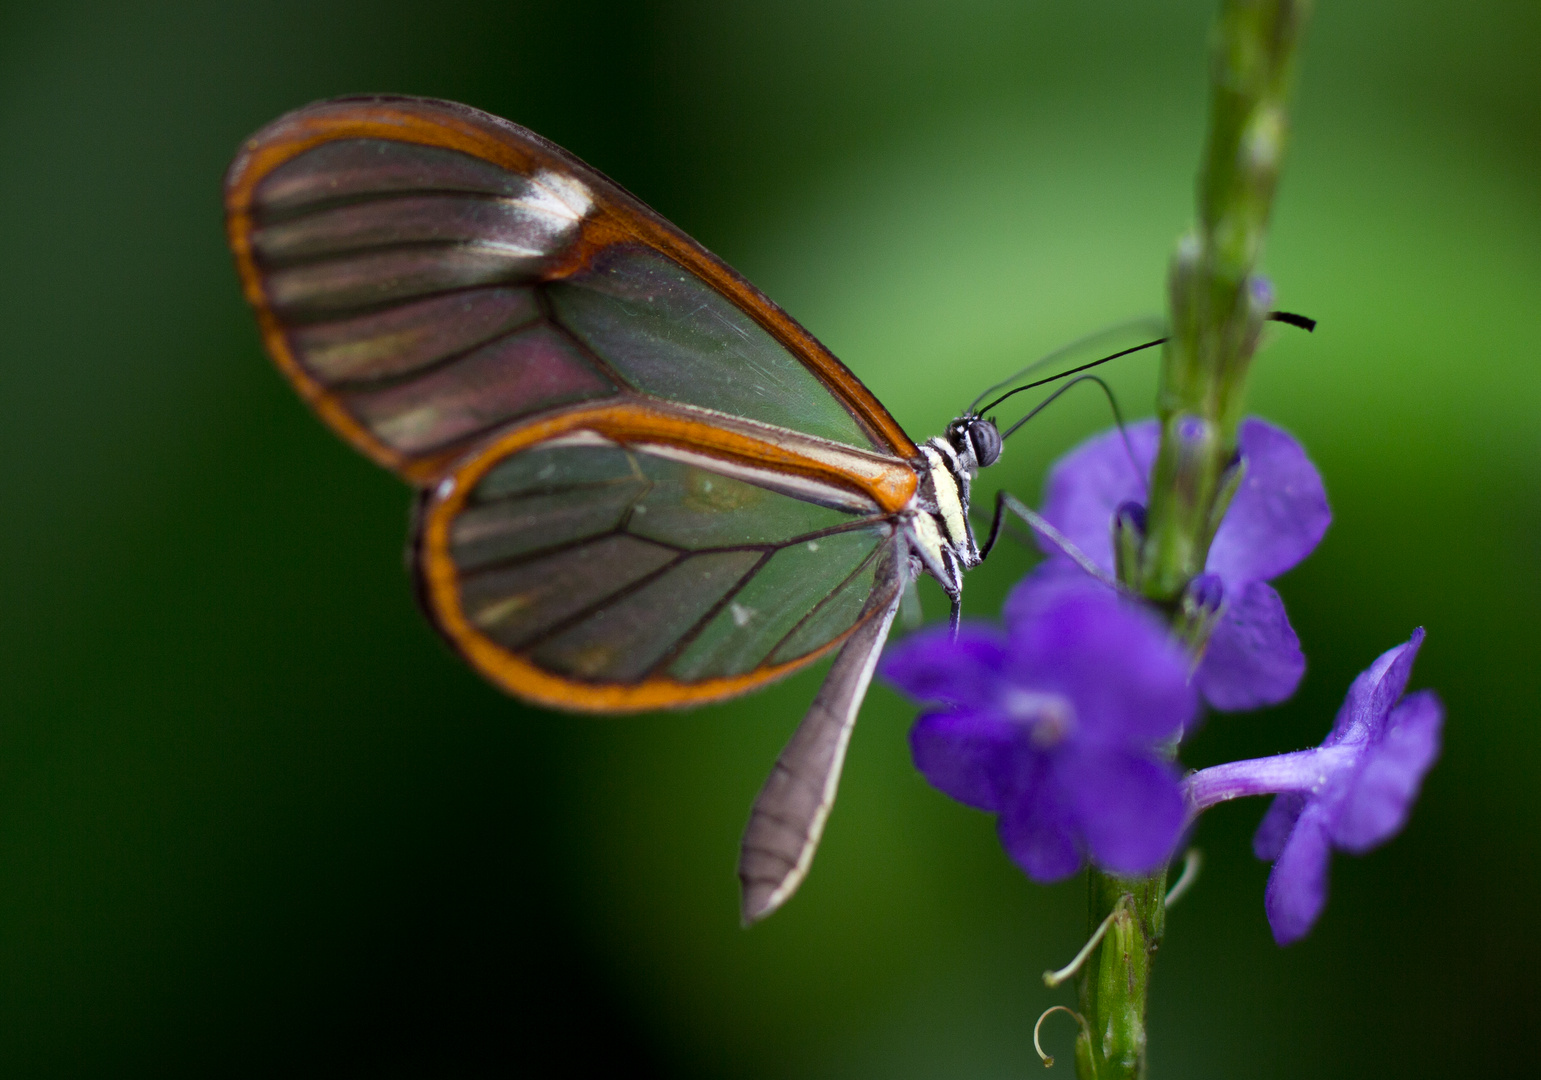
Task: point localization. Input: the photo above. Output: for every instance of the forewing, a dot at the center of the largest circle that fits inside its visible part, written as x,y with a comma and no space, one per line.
426,273
606,567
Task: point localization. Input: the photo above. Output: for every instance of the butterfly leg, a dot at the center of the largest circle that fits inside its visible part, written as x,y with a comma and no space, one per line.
997,521
1005,501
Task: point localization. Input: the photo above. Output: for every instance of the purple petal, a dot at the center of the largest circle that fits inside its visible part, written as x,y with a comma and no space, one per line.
1123,672
1086,487
965,755
1049,583
1373,693
1382,794
1037,828
1254,657
1278,773
1130,809
1278,516
1277,825
1297,888
931,666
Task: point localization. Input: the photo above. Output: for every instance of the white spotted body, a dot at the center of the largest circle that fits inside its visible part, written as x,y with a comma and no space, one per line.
936,521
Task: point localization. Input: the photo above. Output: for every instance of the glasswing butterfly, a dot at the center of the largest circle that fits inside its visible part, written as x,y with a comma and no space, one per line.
642,484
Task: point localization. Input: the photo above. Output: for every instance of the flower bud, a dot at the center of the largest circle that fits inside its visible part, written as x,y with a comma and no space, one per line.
1262,142
1186,473
1128,541
1196,438
1204,594
1225,491
1198,611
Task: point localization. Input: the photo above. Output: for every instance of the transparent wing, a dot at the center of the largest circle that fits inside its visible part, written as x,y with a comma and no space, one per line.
600,572
788,816
425,274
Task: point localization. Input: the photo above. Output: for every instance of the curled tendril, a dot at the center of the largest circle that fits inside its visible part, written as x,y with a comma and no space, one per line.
1193,861
1051,979
1048,1059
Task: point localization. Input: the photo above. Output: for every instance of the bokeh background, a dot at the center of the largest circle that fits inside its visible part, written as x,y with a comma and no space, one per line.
256,820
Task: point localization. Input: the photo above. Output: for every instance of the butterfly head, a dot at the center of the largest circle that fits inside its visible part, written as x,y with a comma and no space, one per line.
976,440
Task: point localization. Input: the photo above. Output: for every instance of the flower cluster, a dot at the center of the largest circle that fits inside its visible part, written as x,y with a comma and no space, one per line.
1277,517
1053,725
1065,721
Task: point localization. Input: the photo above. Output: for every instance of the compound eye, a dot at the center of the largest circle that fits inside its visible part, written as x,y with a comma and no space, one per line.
985,439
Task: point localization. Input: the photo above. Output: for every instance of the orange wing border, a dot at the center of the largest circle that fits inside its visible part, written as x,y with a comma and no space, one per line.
626,421
618,216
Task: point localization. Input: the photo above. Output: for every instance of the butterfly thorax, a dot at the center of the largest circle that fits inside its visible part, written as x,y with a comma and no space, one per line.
941,538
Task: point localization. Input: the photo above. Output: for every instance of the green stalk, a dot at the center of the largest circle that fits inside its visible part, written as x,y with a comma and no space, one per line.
1217,303
1113,983
1218,306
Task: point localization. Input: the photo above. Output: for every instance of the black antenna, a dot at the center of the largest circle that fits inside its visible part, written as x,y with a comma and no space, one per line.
1072,371
1046,402
1304,322
1148,323
1118,416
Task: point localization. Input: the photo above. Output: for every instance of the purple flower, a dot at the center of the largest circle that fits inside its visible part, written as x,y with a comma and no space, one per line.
1055,725
1352,793
1276,519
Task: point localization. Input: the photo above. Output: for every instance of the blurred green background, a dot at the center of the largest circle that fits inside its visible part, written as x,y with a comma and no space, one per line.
256,820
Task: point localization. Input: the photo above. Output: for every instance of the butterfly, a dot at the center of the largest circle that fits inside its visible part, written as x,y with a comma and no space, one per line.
641,484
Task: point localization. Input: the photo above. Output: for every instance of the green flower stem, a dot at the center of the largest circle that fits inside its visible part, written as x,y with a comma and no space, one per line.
1113,982
1218,307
